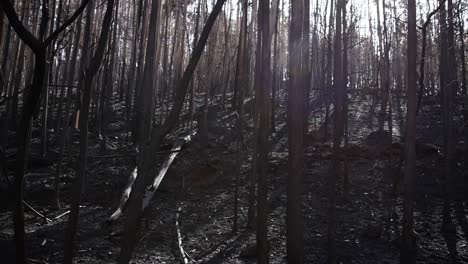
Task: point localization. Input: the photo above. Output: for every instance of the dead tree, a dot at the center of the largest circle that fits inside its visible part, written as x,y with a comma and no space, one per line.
337,133
408,248
423,55
239,86
306,72
463,85
276,75
346,34
449,97
156,136
263,97
85,85
144,132
294,222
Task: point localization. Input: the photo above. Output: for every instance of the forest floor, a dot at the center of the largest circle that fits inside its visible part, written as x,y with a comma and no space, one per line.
198,192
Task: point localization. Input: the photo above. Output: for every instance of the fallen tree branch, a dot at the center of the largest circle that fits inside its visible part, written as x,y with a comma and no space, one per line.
179,236
62,86
65,213
48,220
112,156
36,261
130,155
37,212
125,195
157,181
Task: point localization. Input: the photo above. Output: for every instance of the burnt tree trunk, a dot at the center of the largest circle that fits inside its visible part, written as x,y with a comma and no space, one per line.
294,222
408,248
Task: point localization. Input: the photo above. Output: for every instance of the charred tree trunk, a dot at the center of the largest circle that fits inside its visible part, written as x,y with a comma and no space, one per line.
294,222
156,136
306,72
85,85
263,96
131,227
337,134
276,75
408,248
423,56
464,88
240,84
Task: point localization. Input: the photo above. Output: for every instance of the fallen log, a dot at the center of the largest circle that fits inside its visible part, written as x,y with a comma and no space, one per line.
125,195
127,155
157,181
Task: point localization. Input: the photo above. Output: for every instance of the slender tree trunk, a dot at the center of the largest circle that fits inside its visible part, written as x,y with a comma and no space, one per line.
152,144
449,97
131,227
328,72
294,222
275,77
408,248
16,85
337,134
346,33
263,96
85,85
306,72
422,64
240,84
139,70
69,81
464,88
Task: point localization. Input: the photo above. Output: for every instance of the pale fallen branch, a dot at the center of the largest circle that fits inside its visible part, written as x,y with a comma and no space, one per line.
125,195
65,213
179,237
37,212
157,181
112,156
30,260
48,220
127,155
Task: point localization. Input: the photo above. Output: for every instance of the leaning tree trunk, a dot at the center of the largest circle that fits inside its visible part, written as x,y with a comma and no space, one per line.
152,144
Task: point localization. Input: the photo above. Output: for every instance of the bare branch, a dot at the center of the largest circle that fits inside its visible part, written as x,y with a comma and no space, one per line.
66,24
29,39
